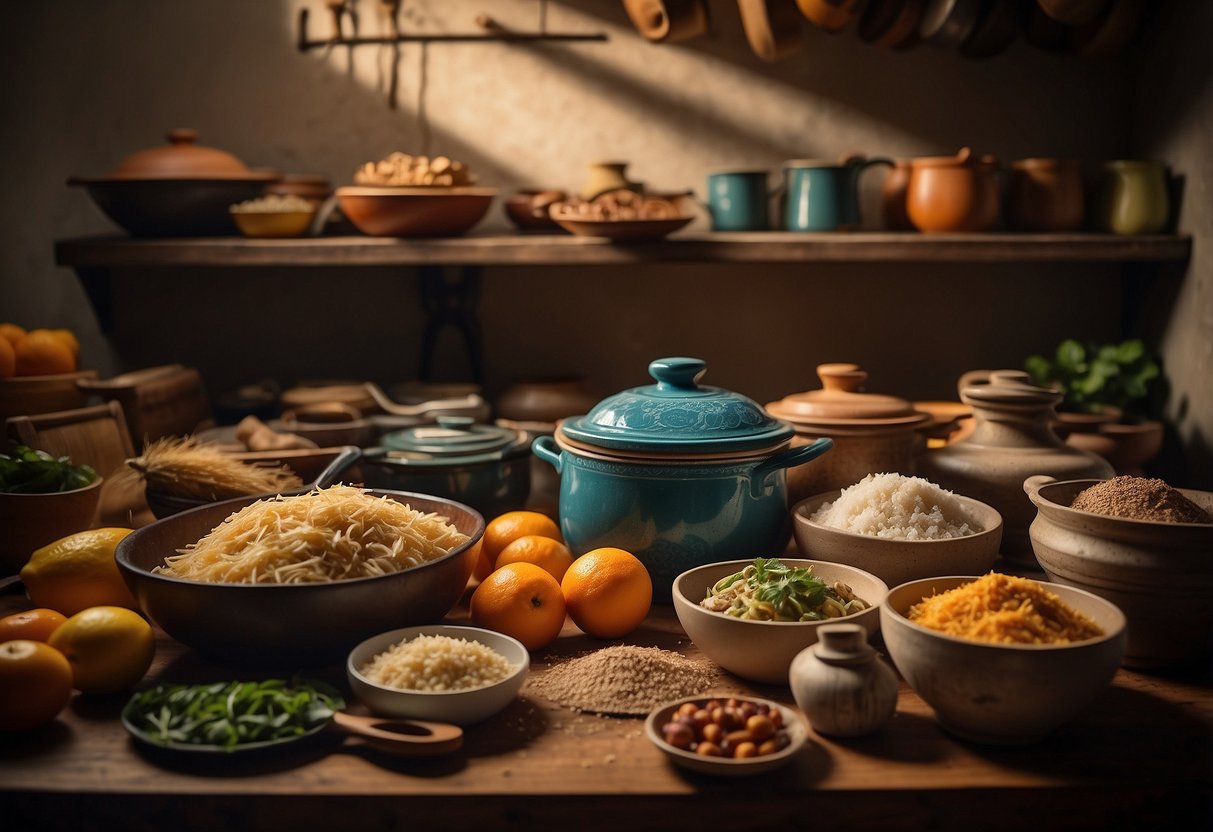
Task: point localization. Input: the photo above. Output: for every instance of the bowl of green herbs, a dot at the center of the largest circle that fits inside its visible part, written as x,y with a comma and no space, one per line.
237,717
42,498
752,617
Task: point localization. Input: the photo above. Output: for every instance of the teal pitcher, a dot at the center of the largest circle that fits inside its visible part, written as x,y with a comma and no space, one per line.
824,196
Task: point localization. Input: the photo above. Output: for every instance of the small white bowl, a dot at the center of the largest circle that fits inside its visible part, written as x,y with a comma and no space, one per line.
762,651
464,707
1003,694
727,766
897,561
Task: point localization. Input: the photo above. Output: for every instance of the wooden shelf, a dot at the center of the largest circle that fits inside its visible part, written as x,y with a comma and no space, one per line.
565,250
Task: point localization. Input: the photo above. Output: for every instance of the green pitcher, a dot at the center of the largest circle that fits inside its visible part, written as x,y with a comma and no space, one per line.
824,196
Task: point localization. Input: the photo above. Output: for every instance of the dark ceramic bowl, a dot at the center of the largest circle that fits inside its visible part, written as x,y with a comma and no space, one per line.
290,625
414,212
173,207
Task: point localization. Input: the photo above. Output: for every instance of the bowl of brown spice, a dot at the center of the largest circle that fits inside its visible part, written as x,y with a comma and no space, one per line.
1002,660
1142,545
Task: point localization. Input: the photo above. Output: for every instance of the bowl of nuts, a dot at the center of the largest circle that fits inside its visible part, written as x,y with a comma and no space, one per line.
404,195
620,215
727,735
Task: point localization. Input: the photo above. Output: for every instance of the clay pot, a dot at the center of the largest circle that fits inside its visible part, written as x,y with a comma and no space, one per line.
841,684
30,521
893,197
872,433
607,176
1128,447
544,400
1045,195
953,193
1012,440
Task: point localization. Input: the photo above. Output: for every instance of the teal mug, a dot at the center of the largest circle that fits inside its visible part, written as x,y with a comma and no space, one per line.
737,200
824,196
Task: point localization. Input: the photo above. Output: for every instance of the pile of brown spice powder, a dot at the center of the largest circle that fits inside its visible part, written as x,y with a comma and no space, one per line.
624,679
1138,498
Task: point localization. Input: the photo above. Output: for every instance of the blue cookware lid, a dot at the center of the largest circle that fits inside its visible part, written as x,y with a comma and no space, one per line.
677,414
455,439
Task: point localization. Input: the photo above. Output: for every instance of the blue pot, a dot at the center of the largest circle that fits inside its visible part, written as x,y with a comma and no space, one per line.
678,474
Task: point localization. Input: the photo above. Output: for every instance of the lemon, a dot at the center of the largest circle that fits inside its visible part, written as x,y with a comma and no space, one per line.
78,571
109,648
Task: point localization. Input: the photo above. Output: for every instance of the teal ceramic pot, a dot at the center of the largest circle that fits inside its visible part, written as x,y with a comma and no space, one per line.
738,200
678,473
484,466
819,196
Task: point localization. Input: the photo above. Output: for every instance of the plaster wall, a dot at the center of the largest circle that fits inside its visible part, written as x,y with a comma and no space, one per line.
96,81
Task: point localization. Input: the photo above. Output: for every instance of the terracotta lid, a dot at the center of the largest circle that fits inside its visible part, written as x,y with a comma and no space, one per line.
1009,387
842,402
184,158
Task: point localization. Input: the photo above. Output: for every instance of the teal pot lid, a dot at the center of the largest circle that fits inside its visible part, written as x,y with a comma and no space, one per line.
454,439
677,414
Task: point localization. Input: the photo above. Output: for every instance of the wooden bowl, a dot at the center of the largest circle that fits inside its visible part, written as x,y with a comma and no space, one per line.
414,212
29,395
30,521
276,224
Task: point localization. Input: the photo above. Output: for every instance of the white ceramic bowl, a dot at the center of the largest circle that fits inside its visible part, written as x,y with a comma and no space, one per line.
727,766
897,561
465,707
1006,694
763,650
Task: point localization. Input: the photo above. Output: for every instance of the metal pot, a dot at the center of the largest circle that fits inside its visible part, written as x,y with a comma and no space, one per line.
485,466
677,473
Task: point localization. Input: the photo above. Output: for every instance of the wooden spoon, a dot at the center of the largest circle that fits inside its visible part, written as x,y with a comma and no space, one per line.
405,737
771,26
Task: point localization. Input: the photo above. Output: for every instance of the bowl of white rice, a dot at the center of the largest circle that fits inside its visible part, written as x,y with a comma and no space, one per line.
899,528
440,672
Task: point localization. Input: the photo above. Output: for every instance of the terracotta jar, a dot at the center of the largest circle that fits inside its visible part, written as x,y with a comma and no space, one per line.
872,433
893,197
1045,195
1012,440
953,193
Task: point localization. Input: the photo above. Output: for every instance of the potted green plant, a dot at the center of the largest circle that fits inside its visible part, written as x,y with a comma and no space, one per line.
1109,394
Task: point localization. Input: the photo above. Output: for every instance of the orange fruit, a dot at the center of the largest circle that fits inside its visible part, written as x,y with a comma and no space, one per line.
34,625
8,359
68,339
12,333
607,592
550,555
504,529
43,354
78,571
521,600
35,684
109,648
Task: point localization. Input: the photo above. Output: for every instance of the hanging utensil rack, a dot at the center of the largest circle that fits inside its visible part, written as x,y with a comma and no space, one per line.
492,32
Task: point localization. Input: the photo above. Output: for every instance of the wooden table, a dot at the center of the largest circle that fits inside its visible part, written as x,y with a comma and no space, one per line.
1141,757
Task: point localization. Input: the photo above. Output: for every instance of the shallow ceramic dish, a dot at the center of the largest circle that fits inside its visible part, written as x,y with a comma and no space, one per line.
727,766
290,625
897,561
1003,694
763,650
1159,574
462,707
278,224
414,212
620,230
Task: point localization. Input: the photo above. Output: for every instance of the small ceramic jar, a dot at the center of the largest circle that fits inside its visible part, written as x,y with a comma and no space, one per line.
840,683
872,434
1045,195
1133,198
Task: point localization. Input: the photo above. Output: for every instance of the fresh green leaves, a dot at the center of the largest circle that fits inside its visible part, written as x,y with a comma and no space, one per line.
789,593
231,714
1091,376
26,471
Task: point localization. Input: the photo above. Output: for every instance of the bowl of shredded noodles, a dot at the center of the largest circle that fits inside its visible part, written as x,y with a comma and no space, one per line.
752,617
1002,659
298,580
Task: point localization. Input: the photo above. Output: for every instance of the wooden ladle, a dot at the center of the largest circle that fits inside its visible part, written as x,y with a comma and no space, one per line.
771,26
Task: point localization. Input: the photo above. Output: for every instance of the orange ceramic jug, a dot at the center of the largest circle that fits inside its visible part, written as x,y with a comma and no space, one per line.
953,193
